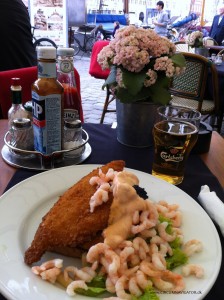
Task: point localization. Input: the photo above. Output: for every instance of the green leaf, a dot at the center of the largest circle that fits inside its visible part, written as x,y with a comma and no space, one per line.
91,292
160,95
179,60
111,79
149,294
134,81
177,259
125,97
98,281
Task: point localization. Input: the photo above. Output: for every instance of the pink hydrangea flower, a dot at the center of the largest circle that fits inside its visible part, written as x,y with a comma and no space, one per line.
139,51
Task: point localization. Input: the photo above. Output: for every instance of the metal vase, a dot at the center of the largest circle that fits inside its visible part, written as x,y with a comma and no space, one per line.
202,51
135,122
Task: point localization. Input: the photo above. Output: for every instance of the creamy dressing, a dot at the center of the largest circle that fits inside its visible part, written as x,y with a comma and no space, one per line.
126,201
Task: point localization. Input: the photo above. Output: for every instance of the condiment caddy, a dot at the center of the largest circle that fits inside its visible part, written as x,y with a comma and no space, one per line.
51,135
32,159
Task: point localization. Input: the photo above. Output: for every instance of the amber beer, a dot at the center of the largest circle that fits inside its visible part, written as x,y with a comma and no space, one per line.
173,141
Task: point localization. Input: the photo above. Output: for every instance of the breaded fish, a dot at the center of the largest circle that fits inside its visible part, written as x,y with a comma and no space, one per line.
69,226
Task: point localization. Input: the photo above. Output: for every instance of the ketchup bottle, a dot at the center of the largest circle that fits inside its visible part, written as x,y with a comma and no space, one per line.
65,75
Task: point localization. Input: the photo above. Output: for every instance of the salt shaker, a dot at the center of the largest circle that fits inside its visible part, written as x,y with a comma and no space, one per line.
73,138
22,134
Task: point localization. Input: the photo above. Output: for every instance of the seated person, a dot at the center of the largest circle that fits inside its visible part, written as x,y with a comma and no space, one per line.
100,33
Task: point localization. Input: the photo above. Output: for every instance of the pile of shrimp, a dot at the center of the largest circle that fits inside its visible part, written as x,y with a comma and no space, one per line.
135,264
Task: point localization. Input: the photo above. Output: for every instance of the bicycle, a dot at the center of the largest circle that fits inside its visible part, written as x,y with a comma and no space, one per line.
41,41
88,41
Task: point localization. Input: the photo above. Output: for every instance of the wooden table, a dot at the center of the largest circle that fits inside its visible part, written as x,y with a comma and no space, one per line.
214,159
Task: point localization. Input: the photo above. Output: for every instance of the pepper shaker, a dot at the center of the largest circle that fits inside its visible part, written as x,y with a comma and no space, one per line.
22,134
73,138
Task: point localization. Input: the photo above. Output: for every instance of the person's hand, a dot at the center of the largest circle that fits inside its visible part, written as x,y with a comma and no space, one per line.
154,21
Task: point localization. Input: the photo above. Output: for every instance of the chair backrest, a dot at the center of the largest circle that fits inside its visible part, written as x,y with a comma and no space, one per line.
192,83
181,46
221,52
95,69
208,41
27,76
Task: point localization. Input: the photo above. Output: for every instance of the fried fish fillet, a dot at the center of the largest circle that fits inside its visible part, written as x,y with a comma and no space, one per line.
69,226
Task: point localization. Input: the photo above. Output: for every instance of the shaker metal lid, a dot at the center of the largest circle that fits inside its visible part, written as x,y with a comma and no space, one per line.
47,52
65,51
72,123
21,123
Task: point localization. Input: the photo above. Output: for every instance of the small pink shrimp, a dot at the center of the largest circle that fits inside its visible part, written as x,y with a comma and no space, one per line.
159,261
130,272
169,281
164,235
124,254
148,233
49,270
110,286
77,284
120,288
86,274
149,269
134,288
177,219
153,213
51,264
193,269
159,241
134,260
98,198
110,174
192,246
142,280
95,252
50,274
141,247
69,270
114,259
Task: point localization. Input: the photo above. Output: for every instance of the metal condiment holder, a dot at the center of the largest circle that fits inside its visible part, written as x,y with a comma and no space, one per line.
32,159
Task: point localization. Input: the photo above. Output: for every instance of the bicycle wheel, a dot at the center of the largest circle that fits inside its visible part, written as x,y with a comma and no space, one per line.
89,44
44,42
76,46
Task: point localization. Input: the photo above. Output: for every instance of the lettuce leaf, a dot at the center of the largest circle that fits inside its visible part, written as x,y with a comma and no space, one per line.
98,281
95,287
149,294
91,292
169,228
178,258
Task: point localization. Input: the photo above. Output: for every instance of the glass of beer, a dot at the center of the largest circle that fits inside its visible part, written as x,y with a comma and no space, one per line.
170,112
174,137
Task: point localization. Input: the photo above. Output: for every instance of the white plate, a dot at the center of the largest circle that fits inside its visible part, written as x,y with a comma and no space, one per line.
21,210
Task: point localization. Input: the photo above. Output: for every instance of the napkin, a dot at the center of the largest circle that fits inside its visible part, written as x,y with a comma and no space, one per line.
213,205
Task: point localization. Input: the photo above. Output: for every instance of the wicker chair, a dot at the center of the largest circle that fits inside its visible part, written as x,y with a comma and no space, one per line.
181,46
221,52
188,89
208,41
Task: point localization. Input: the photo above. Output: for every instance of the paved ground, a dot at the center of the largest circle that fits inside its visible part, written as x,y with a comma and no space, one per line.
93,96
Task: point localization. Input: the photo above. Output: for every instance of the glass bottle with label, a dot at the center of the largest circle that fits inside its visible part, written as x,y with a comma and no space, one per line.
17,110
65,75
47,102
